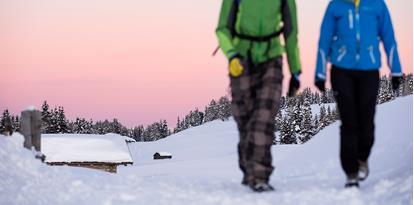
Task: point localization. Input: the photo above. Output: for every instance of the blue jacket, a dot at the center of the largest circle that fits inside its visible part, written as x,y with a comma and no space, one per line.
350,37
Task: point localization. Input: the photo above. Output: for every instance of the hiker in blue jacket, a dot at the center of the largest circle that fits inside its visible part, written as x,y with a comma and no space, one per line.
350,35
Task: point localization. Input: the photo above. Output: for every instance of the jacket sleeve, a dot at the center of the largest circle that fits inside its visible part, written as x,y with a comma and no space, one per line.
387,36
290,33
327,33
226,27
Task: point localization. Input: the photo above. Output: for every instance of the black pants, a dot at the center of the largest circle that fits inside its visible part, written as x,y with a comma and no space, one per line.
356,94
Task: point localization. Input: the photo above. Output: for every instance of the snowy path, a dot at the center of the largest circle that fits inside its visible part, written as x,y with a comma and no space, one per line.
204,170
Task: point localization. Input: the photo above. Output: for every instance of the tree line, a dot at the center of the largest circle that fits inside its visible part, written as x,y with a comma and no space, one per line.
295,122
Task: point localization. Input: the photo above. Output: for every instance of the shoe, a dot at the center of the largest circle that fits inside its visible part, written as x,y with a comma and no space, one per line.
244,181
363,170
262,187
352,181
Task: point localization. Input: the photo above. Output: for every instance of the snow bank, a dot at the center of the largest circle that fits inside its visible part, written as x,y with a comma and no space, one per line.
110,148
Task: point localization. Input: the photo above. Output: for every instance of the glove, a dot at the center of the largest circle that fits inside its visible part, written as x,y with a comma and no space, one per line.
396,81
294,85
320,84
235,68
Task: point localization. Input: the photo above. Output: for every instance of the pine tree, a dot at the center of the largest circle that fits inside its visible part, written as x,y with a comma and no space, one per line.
6,124
211,112
16,124
289,126
137,133
329,117
224,108
322,116
46,118
177,126
62,121
306,125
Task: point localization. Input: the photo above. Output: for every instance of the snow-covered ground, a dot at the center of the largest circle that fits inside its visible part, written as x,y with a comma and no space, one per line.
204,170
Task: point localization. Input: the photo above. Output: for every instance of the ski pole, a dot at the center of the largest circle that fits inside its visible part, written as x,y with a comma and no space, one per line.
216,50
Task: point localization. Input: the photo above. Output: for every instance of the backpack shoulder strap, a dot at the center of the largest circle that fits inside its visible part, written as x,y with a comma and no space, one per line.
231,24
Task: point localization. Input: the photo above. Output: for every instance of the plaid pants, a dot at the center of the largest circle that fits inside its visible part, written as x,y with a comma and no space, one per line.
255,100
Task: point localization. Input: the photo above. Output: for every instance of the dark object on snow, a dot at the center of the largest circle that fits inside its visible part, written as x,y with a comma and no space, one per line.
162,155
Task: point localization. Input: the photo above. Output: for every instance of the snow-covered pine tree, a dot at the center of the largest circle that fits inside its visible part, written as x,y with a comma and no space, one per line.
211,112
137,133
62,121
296,116
407,85
177,126
16,123
278,119
290,126
329,117
82,126
306,130
315,124
385,90
224,108
322,116
287,131
6,122
46,118
164,131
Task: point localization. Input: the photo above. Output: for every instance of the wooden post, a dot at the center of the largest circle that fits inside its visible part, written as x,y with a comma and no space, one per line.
30,127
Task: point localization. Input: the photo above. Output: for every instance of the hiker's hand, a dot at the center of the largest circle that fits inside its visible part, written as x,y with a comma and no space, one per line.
235,68
320,84
294,85
396,81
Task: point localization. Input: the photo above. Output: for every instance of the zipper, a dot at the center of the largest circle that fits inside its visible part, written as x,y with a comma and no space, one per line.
371,54
351,19
358,32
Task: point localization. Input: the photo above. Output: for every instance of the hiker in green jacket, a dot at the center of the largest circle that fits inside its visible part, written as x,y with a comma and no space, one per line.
248,33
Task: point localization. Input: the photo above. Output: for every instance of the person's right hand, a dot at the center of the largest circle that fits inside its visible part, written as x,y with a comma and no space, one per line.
235,68
320,84
396,81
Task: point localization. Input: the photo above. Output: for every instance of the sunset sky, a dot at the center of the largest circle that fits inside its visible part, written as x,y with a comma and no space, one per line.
138,61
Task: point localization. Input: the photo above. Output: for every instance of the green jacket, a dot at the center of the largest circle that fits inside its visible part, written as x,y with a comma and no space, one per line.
259,18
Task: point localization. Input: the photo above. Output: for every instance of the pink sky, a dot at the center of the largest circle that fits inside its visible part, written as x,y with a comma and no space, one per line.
133,60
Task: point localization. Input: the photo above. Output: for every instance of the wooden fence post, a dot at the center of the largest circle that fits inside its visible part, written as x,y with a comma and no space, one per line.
30,128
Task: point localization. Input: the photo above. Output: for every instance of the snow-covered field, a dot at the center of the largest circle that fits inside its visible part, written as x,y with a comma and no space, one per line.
204,170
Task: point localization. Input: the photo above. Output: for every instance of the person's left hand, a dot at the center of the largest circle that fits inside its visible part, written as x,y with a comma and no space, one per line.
294,85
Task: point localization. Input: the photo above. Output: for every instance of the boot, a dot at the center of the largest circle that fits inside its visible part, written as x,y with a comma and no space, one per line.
363,170
352,181
261,187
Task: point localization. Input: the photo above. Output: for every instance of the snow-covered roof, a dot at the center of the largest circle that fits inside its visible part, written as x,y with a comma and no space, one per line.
128,139
164,153
109,148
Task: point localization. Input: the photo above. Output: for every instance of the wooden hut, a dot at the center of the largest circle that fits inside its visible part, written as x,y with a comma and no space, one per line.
102,152
162,155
